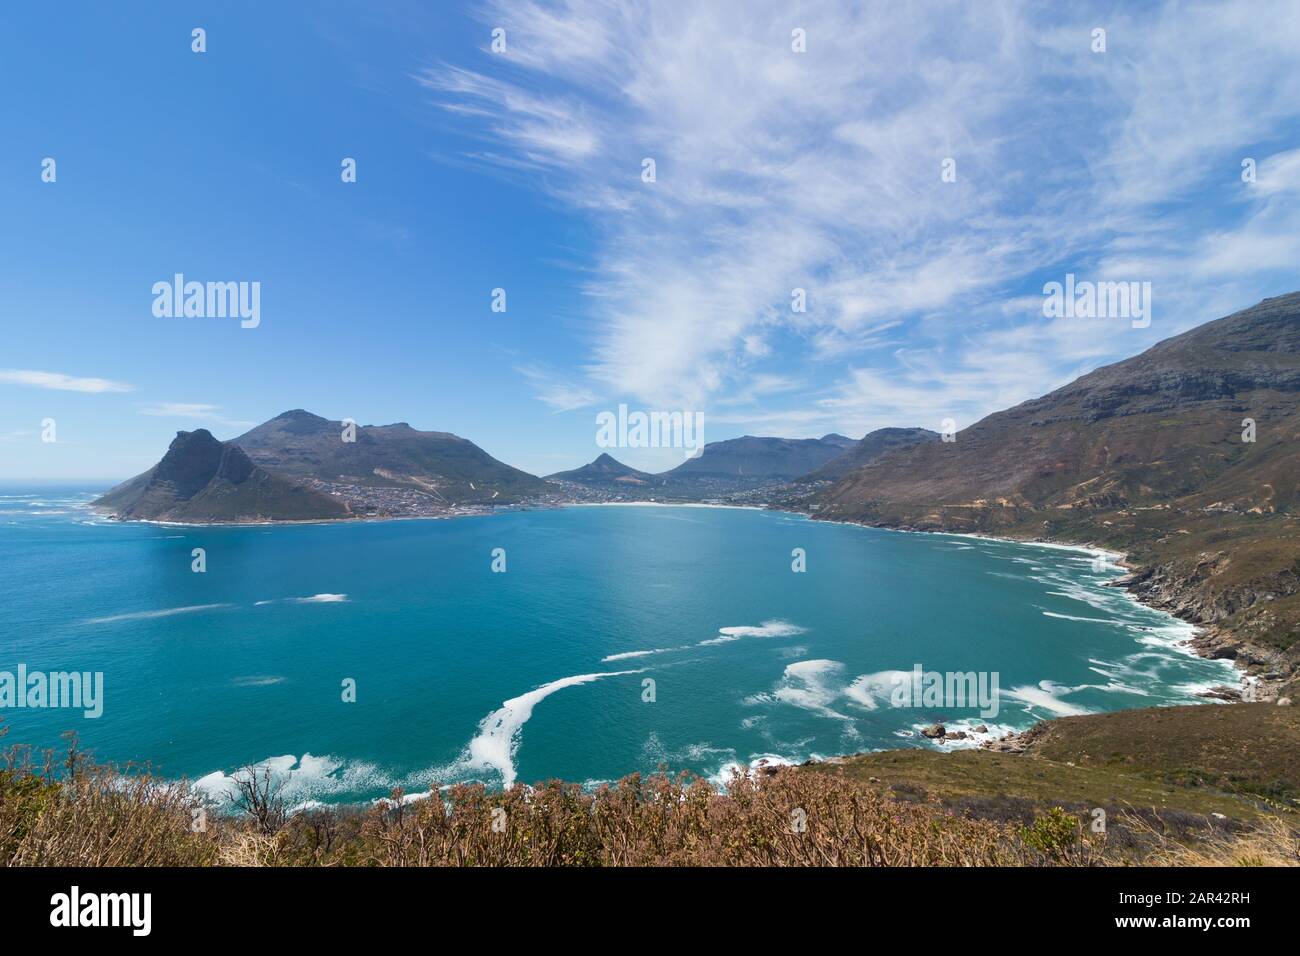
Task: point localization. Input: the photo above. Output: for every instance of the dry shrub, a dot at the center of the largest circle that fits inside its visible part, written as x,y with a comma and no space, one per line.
789,819
84,814
1275,841
77,813
248,848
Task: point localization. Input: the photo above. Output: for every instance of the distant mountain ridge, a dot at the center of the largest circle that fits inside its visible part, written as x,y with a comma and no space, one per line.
872,446
605,469
754,458
451,468
732,465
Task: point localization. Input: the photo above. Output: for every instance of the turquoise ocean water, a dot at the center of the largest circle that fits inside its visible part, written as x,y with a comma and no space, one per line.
538,672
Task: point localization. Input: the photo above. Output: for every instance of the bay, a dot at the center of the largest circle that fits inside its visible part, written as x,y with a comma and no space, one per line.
463,673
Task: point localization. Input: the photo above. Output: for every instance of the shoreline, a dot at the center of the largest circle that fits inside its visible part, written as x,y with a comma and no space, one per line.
374,519
1208,641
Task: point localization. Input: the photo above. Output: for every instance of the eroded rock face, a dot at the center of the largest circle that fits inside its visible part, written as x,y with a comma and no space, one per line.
235,466
201,479
190,463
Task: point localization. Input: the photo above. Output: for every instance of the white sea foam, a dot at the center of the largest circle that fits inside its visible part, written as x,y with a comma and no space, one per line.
406,800
724,774
773,628
869,690
149,615
314,599
628,655
1114,686
1193,690
497,741
258,680
968,726
1077,592
1046,697
1089,620
654,752
811,685
305,780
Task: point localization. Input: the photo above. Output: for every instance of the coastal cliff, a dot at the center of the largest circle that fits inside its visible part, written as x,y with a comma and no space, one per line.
1185,458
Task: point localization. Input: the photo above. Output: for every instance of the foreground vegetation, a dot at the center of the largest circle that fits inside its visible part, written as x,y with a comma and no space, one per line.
1208,785
83,814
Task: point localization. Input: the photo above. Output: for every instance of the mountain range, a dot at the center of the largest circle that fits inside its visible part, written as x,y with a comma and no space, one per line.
1186,457
722,467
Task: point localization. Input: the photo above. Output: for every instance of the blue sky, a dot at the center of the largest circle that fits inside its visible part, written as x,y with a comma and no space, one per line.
522,169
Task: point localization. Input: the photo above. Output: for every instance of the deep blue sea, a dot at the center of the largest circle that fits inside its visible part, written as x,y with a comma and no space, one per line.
462,673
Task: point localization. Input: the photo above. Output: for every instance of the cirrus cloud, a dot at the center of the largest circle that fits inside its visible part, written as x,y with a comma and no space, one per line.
57,381
820,171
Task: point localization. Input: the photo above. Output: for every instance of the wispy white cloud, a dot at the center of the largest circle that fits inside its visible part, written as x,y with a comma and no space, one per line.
561,395
194,412
546,131
57,381
820,170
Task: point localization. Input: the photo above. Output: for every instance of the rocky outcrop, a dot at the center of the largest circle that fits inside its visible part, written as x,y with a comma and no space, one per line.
201,479
1192,589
